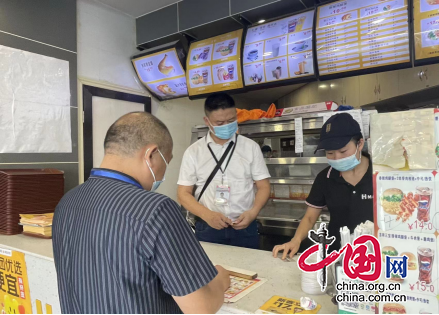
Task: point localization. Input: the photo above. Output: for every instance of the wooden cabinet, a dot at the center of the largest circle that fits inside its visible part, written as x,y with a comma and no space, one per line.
367,89
319,92
418,78
351,91
387,85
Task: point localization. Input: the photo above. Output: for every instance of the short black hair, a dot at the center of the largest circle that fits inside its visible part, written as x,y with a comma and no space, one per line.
357,138
217,101
133,131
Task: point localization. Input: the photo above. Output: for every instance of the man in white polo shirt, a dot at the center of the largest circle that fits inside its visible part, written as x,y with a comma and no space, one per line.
224,167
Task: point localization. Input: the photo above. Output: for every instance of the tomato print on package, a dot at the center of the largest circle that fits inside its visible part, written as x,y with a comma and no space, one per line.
406,201
422,266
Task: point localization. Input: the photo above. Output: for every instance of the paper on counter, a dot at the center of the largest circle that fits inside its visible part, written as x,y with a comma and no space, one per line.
240,287
404,136
34,103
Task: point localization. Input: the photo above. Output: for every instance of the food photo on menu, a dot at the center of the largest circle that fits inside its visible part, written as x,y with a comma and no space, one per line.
254,73
301,64
421,261
169,88
429,5
276,69
406,201
201,55
225,72
225,49
200,77
430,31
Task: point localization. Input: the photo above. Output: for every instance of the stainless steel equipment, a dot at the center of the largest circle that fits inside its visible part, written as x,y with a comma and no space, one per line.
292,174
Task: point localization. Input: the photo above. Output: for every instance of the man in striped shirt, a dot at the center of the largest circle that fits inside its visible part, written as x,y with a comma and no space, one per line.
121,248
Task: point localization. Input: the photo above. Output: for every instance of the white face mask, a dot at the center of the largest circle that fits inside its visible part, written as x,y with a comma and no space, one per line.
156,183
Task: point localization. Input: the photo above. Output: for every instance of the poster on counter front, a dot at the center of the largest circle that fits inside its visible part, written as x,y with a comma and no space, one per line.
406,201
421,251
214,64
356,35
426,28
14,284
279,50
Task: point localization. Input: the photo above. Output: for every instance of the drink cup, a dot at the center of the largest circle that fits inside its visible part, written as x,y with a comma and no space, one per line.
425,262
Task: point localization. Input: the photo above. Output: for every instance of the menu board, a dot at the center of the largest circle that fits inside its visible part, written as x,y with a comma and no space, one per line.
279,50
355,35
214,64
426,26
162,74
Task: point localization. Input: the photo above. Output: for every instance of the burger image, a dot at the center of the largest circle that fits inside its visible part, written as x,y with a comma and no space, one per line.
393,308
411,262
391,199
388,251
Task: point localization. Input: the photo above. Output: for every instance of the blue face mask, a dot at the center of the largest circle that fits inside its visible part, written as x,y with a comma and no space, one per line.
156,183
225,132
345,164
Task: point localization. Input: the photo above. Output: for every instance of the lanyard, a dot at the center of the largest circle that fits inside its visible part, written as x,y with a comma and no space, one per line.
227,151
109,174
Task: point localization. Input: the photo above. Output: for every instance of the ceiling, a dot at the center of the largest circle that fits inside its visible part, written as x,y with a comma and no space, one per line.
136,8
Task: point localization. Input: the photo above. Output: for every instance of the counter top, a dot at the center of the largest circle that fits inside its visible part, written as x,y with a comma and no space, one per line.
29,245
283,277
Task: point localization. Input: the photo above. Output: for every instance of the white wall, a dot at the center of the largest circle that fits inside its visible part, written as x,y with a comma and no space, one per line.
180,116
106,41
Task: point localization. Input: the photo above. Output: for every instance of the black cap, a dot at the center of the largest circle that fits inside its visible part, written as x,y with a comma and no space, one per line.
337,131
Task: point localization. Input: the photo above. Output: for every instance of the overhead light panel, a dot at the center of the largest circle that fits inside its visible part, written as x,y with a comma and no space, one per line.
261,21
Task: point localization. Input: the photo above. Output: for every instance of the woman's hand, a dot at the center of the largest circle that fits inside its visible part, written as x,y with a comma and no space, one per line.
291,247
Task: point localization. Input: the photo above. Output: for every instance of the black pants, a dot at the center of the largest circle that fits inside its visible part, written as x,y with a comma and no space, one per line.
248,237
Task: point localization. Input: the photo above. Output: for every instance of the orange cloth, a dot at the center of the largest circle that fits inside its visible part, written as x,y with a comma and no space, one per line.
244,114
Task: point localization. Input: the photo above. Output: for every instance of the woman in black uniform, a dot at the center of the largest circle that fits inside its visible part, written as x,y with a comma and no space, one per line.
345,187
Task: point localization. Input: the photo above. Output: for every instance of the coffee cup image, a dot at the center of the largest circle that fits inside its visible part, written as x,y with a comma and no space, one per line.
253,55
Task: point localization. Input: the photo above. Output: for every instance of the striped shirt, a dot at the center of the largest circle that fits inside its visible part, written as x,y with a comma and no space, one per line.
121,249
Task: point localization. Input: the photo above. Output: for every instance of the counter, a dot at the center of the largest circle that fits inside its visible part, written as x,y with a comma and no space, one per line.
283,277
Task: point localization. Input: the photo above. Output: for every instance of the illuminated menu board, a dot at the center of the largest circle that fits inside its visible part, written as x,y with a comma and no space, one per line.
355,35
279,50
214,64
426,26
162,74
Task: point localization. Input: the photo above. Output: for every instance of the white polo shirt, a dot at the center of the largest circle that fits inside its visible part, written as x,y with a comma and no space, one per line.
246,166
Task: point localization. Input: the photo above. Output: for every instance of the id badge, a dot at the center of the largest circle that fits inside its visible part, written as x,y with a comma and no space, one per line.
222,195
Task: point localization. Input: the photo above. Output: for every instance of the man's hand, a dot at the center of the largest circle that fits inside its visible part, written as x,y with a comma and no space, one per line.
244,220
291,247
217,220
225,277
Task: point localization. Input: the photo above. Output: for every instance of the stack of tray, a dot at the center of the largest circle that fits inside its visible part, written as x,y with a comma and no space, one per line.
27,191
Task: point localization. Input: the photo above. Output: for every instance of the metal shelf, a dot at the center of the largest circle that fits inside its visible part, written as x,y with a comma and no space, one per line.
297,160
302,202
292,181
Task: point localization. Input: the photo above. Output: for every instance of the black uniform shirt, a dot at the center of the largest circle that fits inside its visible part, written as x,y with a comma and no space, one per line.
348,205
